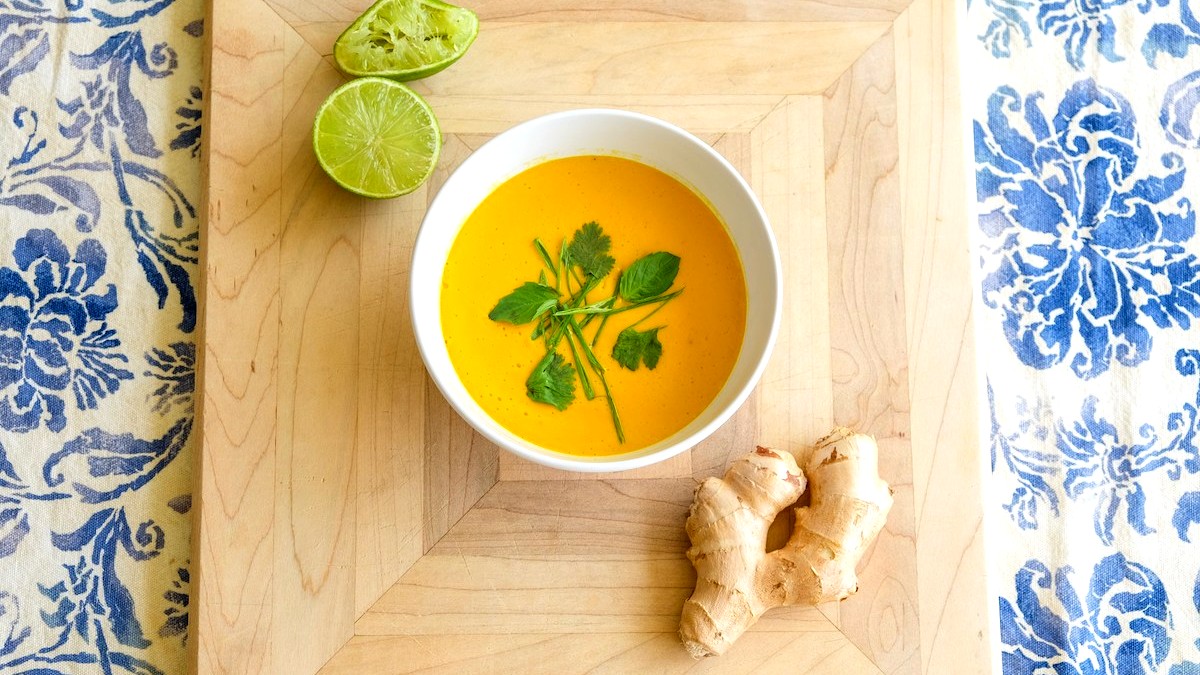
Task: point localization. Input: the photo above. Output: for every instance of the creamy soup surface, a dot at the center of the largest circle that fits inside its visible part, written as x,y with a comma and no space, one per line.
643,210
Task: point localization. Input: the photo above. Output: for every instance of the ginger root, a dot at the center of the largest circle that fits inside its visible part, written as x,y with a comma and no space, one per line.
737,580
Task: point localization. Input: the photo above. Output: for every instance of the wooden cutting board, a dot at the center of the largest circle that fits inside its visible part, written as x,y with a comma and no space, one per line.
351,522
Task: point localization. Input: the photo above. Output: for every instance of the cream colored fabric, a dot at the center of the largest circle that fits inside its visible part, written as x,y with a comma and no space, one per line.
99,185
1087,170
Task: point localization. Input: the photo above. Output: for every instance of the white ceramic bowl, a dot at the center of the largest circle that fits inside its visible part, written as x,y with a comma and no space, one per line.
600,132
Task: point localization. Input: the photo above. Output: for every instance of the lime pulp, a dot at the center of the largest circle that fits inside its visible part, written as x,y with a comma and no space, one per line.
405,39
376,137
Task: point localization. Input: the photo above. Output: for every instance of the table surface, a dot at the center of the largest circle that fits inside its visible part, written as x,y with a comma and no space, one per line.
350,520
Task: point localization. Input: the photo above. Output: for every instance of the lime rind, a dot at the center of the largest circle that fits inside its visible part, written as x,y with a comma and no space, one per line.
405,39
377,138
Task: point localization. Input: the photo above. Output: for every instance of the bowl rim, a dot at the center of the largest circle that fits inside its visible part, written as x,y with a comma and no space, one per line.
632,459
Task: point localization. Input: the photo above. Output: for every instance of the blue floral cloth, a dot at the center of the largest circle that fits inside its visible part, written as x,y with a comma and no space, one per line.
99,178
1087,164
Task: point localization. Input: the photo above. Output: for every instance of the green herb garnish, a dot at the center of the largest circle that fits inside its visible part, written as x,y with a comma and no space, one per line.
634,347
562,311
589,249
524,304
649,276
552,381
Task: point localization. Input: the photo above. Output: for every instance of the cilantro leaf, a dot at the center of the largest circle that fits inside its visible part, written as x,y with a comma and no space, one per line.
649,276
524,304
653,351
634,347
552,381
589,249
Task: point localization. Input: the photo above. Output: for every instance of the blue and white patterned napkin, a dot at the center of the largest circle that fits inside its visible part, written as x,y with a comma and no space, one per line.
99,180
1087,167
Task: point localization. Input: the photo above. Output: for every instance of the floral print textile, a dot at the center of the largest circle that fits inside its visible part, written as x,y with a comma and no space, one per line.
1087,173
100,114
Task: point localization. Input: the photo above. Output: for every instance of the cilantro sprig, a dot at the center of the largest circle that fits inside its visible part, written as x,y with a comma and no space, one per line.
552,382
589,250
561,312
634,347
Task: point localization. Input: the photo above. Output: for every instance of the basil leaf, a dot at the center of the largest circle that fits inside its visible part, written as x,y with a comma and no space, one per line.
524,304
649,276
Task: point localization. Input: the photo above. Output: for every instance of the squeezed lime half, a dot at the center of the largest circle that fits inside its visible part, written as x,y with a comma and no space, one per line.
405,39
376,137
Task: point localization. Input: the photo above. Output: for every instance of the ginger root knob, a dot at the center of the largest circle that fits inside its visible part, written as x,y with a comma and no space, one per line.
736,579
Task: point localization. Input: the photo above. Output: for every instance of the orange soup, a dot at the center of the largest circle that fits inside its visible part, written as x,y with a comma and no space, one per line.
643,211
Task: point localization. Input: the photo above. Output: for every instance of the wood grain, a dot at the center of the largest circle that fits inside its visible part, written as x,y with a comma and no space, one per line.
307,79
865,241
868,338
390,503
685,10
815,652
339,490
788,174
301,13
947,450
515,468
236,515
605,590
460,466
317,410
559,518
679,58
698,113
318,384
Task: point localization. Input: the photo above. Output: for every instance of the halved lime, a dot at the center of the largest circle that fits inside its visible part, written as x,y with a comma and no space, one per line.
376,137
405,39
